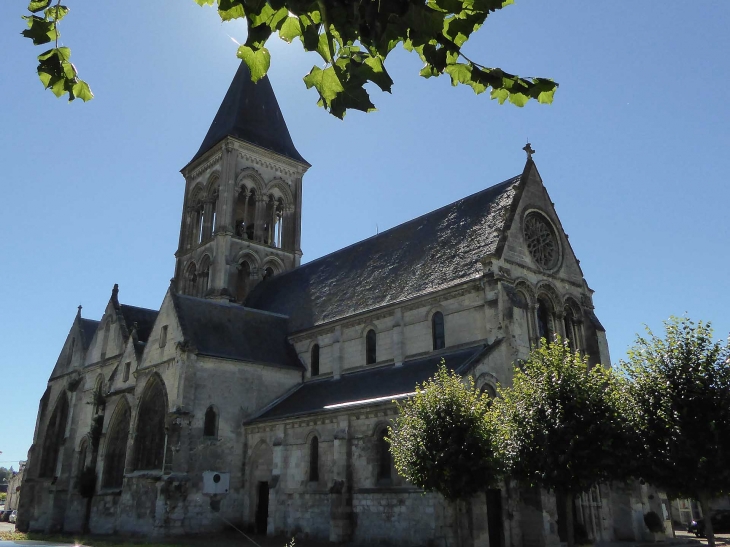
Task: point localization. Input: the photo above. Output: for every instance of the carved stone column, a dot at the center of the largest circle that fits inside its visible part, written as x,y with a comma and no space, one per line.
258,230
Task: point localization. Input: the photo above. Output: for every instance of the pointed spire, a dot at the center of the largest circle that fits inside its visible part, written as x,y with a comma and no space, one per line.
250,112
78,313
115,295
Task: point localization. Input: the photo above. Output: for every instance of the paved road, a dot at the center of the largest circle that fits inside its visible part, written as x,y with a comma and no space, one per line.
720,539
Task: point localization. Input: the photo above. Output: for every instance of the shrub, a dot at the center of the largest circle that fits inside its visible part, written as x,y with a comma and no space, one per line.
654,523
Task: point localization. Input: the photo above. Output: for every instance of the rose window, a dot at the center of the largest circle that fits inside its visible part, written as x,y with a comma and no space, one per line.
541,241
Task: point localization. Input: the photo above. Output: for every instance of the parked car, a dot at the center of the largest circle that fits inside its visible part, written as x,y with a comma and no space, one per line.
12,517
720,524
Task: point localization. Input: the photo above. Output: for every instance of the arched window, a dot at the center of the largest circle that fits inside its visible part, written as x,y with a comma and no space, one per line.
384,459
150,437
278,220
572,331
53,440
203,274
543,320
314,459
437,330
370,347
83,450
268,273
210,425
488,390
243,276
314,364
116,447
241,219
191,279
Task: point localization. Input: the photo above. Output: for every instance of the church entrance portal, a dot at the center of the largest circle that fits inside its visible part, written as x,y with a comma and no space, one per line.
494,518
262,507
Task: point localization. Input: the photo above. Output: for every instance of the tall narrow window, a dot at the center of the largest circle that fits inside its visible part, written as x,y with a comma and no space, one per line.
163,336
242,280
268,273
82,456
150,437
437,330
370,347
569,325
127,369
116,447
314,459
210,426
543,320
314,365
55,433
384,460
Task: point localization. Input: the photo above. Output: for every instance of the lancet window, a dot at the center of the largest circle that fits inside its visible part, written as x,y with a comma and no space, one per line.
384,459
314,361
203,277
210,422
314,459
116,447
437,331
572,329
191,279
544,327
370,347
150,436
245,213
53,440
243,278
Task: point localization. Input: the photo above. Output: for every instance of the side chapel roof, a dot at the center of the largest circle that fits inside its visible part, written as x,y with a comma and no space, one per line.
144,317
230,331
363,386
434,251
251,113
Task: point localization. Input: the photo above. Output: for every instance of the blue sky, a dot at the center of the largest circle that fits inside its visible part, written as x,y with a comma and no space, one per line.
632,153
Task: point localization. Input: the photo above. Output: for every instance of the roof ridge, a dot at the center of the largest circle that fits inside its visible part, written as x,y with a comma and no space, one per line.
512,180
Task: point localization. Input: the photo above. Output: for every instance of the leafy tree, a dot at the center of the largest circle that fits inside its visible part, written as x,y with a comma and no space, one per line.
352,37
561,424
441,440
680,395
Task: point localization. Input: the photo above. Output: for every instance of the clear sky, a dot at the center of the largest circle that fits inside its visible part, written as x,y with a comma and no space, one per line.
632,153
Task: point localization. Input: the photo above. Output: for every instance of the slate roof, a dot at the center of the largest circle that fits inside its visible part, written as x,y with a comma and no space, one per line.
230,331
250,112
434,251
145,319
389,381
88,329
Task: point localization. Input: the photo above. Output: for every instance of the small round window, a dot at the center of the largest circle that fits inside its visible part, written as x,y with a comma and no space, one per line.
541,241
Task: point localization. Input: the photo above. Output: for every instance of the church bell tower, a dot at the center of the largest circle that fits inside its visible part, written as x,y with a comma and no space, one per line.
242,212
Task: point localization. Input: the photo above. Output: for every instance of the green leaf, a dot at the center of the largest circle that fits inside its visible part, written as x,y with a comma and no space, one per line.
374,70
69,70
82,91
518,99
325,82
204,2
460,73
39,30
230,9
258,61
290,29
500,94
257,36
56,12
323,47
38,5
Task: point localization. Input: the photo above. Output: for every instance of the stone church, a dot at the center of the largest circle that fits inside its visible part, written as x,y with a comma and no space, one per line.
259,393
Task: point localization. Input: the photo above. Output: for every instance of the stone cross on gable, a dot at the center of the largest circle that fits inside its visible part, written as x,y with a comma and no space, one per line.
528,148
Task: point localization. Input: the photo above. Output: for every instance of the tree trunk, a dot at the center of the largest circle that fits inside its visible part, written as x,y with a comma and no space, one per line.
709,532
570,529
